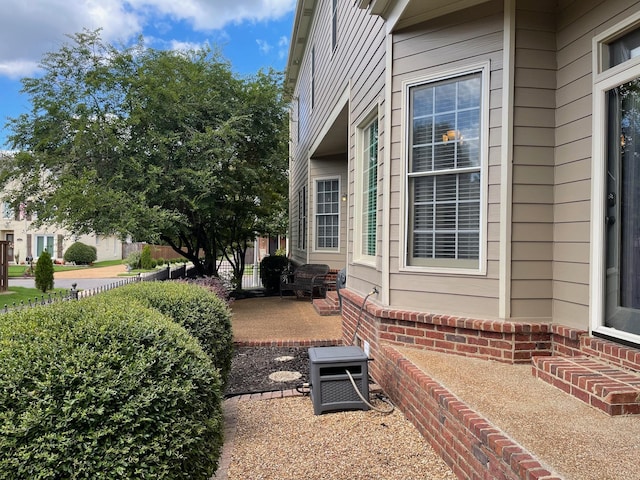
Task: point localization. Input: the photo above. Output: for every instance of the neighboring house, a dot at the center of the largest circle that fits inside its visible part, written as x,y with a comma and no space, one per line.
476,162
25,240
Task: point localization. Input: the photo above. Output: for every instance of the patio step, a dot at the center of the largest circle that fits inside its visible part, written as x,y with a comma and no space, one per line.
607,387
329,305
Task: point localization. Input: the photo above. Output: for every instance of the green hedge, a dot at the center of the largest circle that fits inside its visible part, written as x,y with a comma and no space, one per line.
101,390
202,313
271,270
80,254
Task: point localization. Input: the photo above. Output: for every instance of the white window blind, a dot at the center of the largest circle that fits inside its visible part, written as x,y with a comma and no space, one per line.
444,176
370,189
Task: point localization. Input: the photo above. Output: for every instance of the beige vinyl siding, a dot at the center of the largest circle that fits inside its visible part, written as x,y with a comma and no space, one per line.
465,38
533,166
577,23
356,66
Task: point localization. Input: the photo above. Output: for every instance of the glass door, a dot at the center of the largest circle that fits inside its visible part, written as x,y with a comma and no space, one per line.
622,235
9,238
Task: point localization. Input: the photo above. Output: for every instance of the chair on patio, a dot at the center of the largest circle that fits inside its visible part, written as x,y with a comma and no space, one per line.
307,278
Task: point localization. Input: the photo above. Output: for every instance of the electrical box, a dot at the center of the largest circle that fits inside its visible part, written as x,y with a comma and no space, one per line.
331,388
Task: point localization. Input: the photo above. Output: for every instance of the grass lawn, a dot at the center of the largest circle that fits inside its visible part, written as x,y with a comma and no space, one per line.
24,294
18,270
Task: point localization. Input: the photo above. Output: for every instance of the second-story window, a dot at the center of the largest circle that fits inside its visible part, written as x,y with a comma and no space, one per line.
313,76
334,24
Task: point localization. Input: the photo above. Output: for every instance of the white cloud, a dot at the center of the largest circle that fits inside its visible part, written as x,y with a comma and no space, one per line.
263,46
283,47
29,28
206,15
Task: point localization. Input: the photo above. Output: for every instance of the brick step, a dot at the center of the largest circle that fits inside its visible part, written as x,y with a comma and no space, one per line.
609,388
328,305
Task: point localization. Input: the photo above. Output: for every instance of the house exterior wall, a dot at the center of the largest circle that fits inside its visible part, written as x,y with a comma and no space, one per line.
25,237
577,24
539,157
533,160
351,75
457,40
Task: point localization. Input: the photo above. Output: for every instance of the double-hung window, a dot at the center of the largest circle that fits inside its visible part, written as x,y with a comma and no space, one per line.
7,211
444,172
367,188
327,214
44,242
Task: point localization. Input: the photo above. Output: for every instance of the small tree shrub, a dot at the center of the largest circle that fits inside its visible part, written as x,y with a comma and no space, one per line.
202,313
44,272
271,270
80,254
146,262
133,260
102,390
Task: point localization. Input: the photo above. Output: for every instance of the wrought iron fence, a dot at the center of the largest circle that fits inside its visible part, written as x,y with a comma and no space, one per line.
170,272
250,279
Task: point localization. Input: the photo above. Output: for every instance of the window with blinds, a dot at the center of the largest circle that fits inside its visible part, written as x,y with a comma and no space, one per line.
444,172
327,214
369,189
302,218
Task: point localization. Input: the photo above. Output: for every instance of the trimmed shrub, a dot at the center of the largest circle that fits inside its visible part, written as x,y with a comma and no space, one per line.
133,260
100,390
146,262
80,254
44,272
215,285
202,313
271,270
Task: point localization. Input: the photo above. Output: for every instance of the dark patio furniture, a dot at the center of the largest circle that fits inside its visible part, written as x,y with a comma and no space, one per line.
307,278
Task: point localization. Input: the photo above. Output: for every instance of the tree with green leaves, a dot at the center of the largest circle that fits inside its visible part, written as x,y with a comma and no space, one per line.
160,146
44,272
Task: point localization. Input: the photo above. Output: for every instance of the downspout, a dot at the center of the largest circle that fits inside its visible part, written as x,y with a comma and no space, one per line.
506,160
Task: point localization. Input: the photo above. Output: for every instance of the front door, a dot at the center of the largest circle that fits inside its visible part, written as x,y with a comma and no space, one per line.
622,235
9,238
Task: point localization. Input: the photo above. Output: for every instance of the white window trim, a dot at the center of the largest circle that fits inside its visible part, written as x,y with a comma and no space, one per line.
358,256
444,74
315,248
603,82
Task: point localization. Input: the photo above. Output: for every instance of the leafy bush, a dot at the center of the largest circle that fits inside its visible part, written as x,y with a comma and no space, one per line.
215,285
80,254
44,272
146,262
133,260
202,313
271,270
95,389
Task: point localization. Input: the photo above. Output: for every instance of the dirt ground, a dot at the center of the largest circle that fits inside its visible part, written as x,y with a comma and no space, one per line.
252,366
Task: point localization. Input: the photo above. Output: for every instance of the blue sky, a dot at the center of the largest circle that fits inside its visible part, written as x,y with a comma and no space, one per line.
252,34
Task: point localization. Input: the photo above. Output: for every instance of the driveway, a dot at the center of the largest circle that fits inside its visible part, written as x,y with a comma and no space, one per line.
85,278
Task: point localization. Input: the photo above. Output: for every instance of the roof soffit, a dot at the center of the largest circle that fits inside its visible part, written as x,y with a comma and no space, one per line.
303,19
